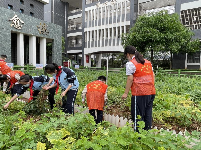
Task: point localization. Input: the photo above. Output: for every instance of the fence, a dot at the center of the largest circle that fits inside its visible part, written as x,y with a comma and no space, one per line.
32,70
181,73
116,120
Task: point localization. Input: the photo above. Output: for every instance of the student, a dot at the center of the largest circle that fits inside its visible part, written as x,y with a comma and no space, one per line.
3,58
67,79
96,93
35,85
11,77
4,69
140,79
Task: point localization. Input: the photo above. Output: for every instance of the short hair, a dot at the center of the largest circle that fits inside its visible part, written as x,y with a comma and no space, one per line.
102,78
3,77
51,67
25,78
3,56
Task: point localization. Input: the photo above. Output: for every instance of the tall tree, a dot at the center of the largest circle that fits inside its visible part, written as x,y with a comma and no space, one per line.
161,32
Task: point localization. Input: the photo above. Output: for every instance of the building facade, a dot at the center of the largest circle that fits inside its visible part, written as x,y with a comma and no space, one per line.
24,33
104,22
190,15
91,28
68,14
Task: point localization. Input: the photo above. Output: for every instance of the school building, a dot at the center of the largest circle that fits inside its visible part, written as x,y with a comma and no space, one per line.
91,28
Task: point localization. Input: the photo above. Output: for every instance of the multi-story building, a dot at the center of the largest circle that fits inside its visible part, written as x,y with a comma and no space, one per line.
104,22
68,14
90,28
24,33
190,15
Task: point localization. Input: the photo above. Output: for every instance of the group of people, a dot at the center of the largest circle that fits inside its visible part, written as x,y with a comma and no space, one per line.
140,79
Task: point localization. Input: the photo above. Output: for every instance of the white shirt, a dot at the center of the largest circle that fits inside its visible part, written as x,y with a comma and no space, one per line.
130,68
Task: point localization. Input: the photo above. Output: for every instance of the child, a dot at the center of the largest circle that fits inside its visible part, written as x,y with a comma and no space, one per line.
11,77
96,93
35,85
4,69
3,58
67,79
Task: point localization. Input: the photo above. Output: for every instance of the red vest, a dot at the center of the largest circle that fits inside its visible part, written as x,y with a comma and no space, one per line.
95,94
12,76
4,68
143,79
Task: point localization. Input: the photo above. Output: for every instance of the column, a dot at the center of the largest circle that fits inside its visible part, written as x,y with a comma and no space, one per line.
20,49
108,15
90,41
125,16
87,39
32,50
43,51
112,37
116,36
98,60
87,60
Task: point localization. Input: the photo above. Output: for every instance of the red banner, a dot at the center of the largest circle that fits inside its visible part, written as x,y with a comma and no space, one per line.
87,58
66,64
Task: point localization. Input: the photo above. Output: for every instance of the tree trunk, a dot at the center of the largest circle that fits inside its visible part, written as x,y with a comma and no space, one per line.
170,60
112,60
152,55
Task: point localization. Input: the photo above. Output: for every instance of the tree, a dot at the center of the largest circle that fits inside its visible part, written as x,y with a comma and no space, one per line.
161,32
49,50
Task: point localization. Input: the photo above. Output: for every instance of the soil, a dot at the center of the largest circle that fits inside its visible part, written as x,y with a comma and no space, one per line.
126,113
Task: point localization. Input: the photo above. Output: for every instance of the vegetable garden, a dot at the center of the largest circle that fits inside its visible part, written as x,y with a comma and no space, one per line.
177,106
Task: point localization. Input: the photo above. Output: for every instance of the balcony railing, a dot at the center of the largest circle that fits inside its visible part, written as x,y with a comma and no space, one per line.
74,27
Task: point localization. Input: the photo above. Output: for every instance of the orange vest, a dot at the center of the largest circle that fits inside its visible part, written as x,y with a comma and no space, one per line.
4,68
12,76
143,79
95,94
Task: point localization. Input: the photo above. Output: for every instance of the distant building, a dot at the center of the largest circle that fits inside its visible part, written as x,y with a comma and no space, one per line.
90,28
24,33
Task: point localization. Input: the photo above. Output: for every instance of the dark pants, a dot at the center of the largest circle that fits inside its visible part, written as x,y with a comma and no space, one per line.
68,101
51,97
143,108
99,115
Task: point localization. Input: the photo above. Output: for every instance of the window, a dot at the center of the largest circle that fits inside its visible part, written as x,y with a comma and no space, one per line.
10,7
31,5
193,58
31,14
22,2
22,11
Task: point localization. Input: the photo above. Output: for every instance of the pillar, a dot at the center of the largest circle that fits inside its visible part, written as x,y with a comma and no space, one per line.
87,60
98,60
43,51
32,50
20,49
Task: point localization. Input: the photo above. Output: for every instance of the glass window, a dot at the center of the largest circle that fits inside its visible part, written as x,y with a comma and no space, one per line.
22,11
31,14
193,58
10,7
22,2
